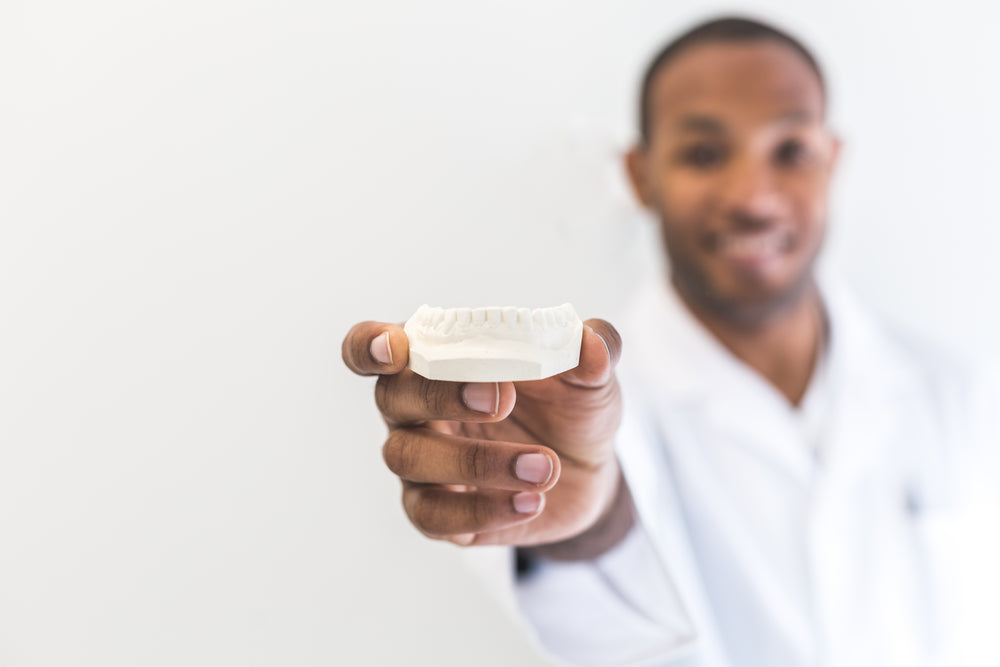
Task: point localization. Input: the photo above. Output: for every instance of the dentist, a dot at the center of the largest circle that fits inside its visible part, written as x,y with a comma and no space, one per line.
772,476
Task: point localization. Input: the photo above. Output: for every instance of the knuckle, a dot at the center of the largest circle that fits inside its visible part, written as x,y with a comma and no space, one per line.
382,393
481,510
426,515
477,462
435,397
397,454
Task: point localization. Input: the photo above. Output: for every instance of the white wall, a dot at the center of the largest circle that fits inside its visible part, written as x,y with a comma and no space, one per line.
198,198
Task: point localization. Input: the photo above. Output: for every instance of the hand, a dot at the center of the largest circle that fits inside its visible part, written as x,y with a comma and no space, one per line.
516,463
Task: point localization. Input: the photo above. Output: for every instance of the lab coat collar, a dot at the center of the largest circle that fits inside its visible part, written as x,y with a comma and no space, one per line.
691,365
681,364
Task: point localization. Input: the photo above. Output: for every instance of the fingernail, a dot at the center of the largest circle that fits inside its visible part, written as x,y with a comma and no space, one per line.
380,349
527,502
482,396
606,348
534,468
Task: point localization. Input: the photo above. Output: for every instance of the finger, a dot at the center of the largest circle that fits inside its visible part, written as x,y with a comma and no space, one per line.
408,398
426,456
439,512
375,348
600,350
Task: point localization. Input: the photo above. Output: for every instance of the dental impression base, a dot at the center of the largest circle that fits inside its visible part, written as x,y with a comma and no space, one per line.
493,344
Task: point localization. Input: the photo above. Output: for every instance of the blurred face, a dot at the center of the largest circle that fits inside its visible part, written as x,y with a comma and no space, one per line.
737,169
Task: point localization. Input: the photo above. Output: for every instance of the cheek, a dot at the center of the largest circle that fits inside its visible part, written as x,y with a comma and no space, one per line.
807,198
815,214
685,200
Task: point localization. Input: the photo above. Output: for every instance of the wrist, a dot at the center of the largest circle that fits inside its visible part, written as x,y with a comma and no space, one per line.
610,528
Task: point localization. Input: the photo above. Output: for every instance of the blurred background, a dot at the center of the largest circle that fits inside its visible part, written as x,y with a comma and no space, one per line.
197,199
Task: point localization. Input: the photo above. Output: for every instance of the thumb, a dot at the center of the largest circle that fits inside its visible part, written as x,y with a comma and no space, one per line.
600,350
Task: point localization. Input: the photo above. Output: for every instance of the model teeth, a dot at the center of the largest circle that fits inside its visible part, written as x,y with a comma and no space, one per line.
493,344
443,319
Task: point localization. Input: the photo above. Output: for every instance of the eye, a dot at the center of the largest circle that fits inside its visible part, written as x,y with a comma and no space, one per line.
702,156
791,152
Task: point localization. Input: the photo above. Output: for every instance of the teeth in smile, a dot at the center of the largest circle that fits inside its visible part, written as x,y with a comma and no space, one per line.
493,344
766,243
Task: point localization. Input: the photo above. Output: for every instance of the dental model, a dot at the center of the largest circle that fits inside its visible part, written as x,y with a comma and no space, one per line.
493,344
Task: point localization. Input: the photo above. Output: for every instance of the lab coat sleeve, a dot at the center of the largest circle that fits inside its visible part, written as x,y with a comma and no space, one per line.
618,609
634,604
621,608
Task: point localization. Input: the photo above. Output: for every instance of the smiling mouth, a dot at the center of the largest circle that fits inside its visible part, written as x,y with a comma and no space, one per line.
752,246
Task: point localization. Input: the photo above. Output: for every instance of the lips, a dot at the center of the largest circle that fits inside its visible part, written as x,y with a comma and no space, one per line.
751,247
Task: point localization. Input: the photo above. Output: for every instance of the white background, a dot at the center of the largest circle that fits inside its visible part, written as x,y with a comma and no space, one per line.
198,198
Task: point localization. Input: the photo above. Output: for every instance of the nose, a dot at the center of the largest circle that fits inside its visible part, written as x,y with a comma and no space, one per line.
749,195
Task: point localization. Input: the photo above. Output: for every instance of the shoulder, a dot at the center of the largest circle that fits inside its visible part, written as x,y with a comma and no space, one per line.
886,355
937,368
946,396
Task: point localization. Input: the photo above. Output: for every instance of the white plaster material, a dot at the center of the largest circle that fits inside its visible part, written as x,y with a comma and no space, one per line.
493,344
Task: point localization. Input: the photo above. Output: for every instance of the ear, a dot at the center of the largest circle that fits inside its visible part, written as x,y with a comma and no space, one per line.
635,167
835,145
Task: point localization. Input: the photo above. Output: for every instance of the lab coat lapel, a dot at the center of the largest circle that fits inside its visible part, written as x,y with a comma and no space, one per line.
690,378
694,370
866,577
711,411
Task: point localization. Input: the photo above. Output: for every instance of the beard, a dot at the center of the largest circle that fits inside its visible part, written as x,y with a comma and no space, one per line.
747,305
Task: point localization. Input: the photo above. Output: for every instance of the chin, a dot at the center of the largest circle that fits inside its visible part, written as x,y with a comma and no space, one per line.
747,298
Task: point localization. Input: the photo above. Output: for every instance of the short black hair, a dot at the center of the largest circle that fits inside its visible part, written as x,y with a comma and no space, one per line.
723,29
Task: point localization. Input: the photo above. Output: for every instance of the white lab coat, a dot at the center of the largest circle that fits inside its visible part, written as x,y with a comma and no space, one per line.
859,529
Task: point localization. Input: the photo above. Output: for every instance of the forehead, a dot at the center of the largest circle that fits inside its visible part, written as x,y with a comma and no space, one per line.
737,83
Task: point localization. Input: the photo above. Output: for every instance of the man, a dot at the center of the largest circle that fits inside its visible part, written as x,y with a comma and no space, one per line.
762,499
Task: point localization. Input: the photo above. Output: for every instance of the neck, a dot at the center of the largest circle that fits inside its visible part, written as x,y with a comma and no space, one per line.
782,345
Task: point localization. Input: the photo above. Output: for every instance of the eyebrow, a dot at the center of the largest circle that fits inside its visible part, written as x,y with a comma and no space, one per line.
698,123
712,125
796,117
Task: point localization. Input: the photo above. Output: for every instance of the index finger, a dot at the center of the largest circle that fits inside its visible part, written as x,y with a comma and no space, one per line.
376,348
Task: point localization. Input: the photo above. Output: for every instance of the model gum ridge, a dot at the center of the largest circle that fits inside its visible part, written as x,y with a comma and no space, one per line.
493,344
